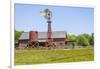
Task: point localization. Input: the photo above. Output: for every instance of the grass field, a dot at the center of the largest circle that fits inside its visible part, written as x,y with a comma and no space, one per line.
32,56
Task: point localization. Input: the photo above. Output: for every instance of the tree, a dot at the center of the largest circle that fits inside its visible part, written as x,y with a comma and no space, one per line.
88,37
92,39
71,37
82,40
17,35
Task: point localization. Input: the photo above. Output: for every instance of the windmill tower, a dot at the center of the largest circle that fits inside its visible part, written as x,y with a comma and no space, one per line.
49,40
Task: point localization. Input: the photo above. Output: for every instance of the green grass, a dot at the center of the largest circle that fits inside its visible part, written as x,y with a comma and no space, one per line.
32,56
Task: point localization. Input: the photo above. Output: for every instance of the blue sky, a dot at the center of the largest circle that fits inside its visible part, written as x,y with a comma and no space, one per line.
74,20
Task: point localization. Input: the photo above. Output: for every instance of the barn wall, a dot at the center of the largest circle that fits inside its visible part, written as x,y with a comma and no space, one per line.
23,44
59,42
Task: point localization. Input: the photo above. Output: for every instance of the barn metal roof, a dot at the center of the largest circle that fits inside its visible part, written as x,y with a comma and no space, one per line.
42,35
24,35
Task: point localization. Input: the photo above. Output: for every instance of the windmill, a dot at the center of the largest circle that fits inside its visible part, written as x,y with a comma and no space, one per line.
48,15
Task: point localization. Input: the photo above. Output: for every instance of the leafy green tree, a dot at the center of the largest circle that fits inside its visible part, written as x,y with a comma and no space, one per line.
17,35
82,40
88,37
71,37
92,39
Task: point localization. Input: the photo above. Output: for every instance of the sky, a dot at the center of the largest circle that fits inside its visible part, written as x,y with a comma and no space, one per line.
73,20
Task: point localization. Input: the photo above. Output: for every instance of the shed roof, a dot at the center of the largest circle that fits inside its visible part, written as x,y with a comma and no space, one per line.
42,35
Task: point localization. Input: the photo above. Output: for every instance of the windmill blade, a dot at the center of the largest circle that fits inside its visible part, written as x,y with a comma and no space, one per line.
42,13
